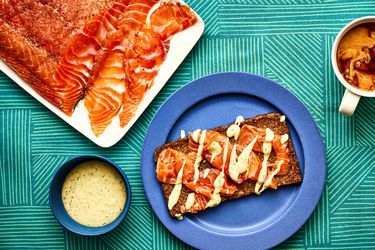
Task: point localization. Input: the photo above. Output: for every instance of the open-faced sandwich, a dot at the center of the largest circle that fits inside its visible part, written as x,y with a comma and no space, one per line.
212,166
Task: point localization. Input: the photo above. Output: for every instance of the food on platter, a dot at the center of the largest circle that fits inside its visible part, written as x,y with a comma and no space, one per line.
127,70
356,56
228,162
52,44
94,194
107,54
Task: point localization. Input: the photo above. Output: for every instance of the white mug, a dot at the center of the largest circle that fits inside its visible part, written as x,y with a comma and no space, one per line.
352,94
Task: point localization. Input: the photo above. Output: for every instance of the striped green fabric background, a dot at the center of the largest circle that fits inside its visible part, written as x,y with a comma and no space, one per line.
288,41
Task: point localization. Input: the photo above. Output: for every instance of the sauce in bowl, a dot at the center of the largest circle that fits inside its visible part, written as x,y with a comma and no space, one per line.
94,194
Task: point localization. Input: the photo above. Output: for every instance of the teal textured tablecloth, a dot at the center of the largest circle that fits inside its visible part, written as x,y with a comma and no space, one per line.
288,41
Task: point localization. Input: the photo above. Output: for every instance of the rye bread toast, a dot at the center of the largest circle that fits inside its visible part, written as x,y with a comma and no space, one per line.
272,121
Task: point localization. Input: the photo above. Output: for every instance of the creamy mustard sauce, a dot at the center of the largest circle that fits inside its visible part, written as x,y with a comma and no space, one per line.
219,181
198,159
232,163
218,184
225,155
190,201
240,165
182,134
93,194
179,217
284,138
214,149
195,135
175,194
234,129
206,172
269,179
282,118
266,148
239,119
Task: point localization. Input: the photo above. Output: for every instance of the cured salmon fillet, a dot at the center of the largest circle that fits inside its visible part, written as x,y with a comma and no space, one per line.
35,34
105,95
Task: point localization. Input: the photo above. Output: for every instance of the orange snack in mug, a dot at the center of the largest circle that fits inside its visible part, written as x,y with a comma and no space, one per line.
356,56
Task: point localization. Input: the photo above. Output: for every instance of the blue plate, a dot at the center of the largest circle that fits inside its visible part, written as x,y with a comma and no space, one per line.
255,222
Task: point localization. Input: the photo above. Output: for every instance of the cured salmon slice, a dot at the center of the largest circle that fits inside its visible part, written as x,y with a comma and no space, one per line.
216,147
108,85
248,133
253,169
205,183
104,98
142,63
171,18
171,161
199,204
151,45
129,23
77,60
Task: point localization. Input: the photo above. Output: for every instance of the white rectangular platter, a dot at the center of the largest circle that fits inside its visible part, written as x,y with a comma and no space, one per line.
180,46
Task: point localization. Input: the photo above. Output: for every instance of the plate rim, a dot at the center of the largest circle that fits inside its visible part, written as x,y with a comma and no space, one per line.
315,181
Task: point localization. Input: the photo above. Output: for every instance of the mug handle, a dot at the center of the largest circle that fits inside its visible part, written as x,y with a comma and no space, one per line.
349,103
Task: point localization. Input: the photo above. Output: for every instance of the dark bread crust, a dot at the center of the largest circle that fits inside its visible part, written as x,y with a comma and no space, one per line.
271,121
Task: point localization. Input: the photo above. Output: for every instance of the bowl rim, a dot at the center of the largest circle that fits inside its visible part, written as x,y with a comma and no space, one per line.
112,225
